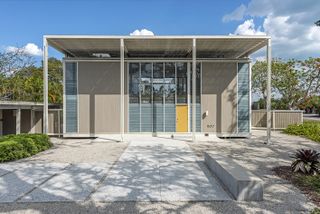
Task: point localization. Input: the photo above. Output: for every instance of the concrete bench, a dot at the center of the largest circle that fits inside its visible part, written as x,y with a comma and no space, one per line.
243,185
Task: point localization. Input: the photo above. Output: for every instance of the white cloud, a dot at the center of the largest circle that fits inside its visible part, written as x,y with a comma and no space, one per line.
142,32
248,28
259,58
29,48
290,24
237,14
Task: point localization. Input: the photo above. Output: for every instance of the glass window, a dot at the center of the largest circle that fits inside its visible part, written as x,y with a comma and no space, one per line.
198,82
170,91
182,83
170,72
145,86
158,82
134,82
170,86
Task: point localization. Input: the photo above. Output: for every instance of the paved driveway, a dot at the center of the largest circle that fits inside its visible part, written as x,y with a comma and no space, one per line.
150,169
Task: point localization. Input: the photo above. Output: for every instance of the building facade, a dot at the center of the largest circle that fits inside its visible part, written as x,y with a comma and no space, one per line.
129,85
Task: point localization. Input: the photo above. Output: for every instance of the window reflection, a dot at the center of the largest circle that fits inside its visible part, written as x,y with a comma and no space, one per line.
182,97
198,82
169,87
158,82
134,81
145,85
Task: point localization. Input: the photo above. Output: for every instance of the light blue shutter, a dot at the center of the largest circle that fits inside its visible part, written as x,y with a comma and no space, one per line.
158,117
170,117
243,98
134,117
146,117
71,92
198,117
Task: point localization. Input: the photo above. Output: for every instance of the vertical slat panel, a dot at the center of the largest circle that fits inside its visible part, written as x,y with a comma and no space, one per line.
134,117
243,98
158,117
71,97
198,117
282,118
170,117
146,117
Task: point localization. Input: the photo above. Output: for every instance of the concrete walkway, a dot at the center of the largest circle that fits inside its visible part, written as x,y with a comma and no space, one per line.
150,169
159,169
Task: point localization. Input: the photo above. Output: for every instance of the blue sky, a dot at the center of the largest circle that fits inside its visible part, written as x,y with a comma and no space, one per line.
26,21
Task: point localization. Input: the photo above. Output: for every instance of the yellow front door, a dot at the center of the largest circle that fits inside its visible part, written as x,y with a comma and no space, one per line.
182,118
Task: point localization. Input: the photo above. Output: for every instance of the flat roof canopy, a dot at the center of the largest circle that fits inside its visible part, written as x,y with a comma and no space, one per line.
230,47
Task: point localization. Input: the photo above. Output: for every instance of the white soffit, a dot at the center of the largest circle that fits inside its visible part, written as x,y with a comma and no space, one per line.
168,46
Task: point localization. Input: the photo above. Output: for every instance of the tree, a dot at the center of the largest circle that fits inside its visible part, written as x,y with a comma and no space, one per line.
309,76
55,78
284,82
25,83
14,60
310,103
317,23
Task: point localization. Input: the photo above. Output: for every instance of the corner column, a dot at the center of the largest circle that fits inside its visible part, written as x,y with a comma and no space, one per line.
45,85
122,89
269,92
194,77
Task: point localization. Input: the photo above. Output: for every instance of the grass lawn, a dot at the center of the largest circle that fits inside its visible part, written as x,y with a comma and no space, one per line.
14,147
309,129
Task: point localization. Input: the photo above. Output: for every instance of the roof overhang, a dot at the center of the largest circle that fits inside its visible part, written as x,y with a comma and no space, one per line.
25,105
230,47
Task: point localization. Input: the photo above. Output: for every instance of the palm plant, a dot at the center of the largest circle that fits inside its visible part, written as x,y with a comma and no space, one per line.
306,161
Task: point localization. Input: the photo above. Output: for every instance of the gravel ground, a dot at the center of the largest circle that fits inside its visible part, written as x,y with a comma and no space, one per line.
279,197
259,158
80,151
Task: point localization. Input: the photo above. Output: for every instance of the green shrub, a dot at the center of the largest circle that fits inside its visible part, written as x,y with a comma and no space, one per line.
13,147
309,129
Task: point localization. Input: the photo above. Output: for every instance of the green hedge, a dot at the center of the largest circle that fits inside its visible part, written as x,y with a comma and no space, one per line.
309,129
13,147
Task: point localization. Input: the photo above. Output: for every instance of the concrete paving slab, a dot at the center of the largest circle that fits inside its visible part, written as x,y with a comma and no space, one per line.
187,182
167,158
5,169
25,178
130,182
157,169
148,158
75,183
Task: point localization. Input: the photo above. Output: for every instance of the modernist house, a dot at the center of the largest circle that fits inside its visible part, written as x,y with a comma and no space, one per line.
155,84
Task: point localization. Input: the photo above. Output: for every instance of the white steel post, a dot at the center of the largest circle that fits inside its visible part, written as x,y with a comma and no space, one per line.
45,85
188,98
18,121
122,89
59,123
194,76
269,92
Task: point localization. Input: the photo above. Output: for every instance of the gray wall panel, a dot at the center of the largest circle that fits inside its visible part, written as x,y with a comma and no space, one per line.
9,121
219,97
99,97
25,121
